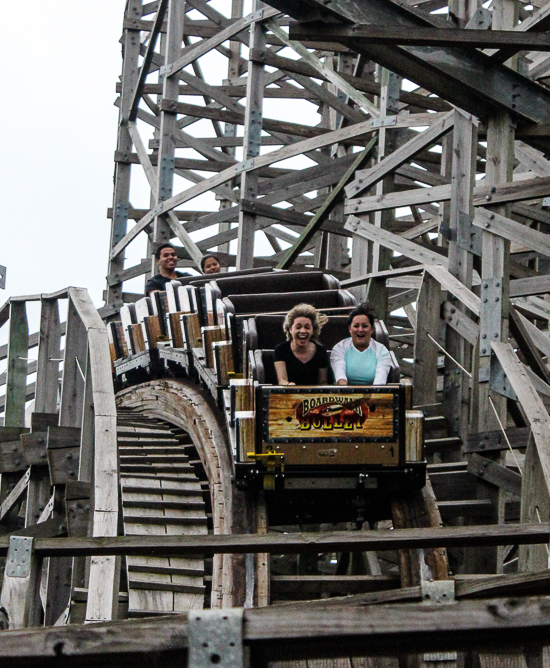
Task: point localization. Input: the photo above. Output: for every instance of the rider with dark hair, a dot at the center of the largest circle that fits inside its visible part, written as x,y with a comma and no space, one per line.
210,264
167,261
360,360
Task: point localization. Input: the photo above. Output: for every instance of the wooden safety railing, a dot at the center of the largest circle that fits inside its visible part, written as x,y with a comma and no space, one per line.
80,398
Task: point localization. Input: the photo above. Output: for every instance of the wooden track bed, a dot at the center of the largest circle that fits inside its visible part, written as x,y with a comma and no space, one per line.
160,495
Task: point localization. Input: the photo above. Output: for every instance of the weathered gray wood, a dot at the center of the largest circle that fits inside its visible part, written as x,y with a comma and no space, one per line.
425,351
367,178
305,146
251,146
422,36
16,383
19,596
119,224
14,495
495,473
472,536
495,440
367,630
74,360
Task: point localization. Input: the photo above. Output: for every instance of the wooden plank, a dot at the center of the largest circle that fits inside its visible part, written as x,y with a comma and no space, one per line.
537,285
344,134
518,584
14,495
19,596
16,383
74,363
425,351
453,285
532,405
513,231
495,440
130,69
421,36
538,337
460,322
303,632
251,144
148,58
472,536
495,473
393,241
329,74
483,196
324,210
528,349
365,179
196,50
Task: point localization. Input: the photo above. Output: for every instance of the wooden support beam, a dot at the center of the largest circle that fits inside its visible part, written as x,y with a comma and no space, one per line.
15,494
376,34
272,543
394,241
324,210
495,440
300,632
148,59
19,595
495,473
16,383
425,351
305,146
251,147
367,178
49,356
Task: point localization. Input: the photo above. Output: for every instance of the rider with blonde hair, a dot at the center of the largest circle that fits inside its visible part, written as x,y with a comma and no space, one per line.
301,359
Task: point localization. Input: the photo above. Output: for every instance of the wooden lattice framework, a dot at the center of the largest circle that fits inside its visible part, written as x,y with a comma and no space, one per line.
413,202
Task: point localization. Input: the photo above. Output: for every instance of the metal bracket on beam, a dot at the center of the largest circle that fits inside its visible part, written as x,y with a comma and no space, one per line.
384,121
438,591
469,237
216,638
19,557
491,314
498,380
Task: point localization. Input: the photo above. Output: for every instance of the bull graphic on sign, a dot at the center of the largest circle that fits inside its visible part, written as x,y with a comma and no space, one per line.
331,413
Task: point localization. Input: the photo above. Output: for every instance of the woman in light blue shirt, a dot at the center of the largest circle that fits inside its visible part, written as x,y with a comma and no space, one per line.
360,360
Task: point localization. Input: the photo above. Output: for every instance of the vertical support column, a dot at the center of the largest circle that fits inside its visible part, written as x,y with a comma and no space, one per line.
49,354
230,129
121,196
496,250
336,245
381,257
168,120
16,380
74,362
425,351
252,142
20,586
464,151
495,274
104,579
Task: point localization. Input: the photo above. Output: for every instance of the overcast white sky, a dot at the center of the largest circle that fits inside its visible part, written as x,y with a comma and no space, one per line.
61,61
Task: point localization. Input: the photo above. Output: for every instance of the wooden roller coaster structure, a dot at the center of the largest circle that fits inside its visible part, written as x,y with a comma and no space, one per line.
149,465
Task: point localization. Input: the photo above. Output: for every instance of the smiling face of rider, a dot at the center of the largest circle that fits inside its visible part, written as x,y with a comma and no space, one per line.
361,332
212,266
301,332
167,262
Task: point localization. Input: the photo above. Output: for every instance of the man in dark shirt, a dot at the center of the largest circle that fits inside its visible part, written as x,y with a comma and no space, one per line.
167,260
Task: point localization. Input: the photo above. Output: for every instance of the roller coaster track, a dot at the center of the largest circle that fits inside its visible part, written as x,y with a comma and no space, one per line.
168,446
160,495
